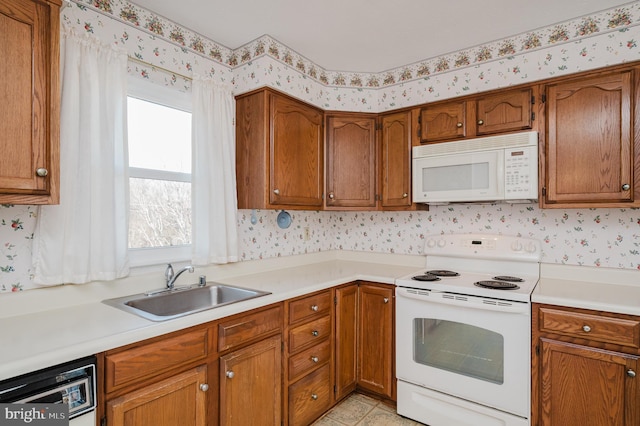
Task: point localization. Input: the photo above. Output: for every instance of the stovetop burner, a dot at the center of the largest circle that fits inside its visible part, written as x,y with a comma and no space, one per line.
508,278
497,285
443,273
426,277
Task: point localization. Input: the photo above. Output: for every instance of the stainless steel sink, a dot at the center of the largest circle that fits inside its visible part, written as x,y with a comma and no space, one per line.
182,301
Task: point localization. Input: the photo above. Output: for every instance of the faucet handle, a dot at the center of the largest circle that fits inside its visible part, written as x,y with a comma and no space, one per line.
168,273
202,281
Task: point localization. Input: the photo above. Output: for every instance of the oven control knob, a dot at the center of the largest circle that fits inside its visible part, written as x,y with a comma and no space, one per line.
431,243
441,243
531,248
516,246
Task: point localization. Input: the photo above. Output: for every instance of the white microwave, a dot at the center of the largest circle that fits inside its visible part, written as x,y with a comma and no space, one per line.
491,169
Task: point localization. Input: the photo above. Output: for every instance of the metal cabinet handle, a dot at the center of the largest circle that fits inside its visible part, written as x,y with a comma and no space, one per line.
314,396
230,374
385,300
42,172
458,125
586,328
314,308
315,359
405,195
626,187
331,195
204,387
314,333
480,122
276,191
631,373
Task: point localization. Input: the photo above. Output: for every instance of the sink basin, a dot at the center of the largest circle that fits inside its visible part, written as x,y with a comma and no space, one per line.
183,301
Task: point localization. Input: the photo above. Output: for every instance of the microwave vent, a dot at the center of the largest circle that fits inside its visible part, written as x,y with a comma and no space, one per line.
478,144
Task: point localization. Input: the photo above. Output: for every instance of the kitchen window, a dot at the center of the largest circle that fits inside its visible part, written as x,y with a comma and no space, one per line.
159,148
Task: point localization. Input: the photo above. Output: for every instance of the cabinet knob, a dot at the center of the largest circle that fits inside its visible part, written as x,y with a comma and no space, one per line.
276,191
42,172
480,122
385,300
314,308
458,125
204,387
314,396
586,328
626,187
631,373
230,374
315,333
331,195
405,195
315,359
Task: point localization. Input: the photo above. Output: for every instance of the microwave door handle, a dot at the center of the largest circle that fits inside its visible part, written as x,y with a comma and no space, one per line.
471,302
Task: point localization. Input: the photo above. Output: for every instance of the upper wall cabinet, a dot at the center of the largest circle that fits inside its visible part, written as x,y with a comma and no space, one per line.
504,111
395,160
29,89
590,141
351,161
279,152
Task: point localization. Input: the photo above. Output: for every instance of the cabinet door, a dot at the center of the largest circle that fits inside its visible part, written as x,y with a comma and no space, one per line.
395,160
295,153
351,161
251,385
443,122
29,88
375,339
587,386
346,340
179,400
589,141
503,112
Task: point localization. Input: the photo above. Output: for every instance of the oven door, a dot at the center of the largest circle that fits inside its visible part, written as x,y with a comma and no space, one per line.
468,347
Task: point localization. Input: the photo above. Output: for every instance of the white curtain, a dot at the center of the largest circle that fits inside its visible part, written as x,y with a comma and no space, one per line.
214,206
85,237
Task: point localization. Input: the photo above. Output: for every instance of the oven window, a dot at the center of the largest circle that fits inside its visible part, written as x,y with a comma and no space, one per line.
458,177
459,348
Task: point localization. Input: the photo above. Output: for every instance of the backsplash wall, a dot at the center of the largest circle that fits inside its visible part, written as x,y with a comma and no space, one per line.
592,237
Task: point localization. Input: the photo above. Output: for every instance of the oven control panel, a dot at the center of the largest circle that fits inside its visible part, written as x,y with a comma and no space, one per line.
487,246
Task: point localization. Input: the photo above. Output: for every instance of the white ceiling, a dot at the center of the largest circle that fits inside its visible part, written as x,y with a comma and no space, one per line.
370,35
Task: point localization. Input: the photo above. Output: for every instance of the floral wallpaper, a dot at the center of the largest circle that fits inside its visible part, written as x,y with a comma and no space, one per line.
167,54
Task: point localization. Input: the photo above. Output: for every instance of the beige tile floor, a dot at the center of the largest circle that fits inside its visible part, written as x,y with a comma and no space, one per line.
362,410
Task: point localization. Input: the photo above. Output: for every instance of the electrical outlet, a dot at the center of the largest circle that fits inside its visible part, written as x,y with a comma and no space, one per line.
307,233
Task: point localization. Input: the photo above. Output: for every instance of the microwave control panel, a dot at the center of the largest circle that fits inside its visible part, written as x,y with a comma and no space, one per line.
521,173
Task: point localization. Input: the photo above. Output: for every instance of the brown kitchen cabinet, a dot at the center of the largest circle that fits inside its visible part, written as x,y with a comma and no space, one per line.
591,142
473,116
584,366
395,160
279,152
370,353
351,161
308,361
250,379
163,381
29,131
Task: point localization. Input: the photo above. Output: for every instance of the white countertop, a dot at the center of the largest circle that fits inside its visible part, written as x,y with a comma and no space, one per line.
71,322
45,327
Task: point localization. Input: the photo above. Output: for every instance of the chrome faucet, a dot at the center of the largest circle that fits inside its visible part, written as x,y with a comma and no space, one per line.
171,277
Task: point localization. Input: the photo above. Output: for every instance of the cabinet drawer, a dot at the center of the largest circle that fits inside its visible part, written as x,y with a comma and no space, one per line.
309,333
126,367
310,397
318,304
242,328
307,360
592,327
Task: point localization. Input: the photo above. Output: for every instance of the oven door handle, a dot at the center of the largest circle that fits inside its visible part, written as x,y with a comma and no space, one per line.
442,297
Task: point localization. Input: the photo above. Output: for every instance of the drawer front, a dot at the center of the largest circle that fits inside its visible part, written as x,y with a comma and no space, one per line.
309,333
133,364
309,359
307,308
604,329
310,397
242,328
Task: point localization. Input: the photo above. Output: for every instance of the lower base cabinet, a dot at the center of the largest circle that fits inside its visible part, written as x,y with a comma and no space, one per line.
179,400
310,397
